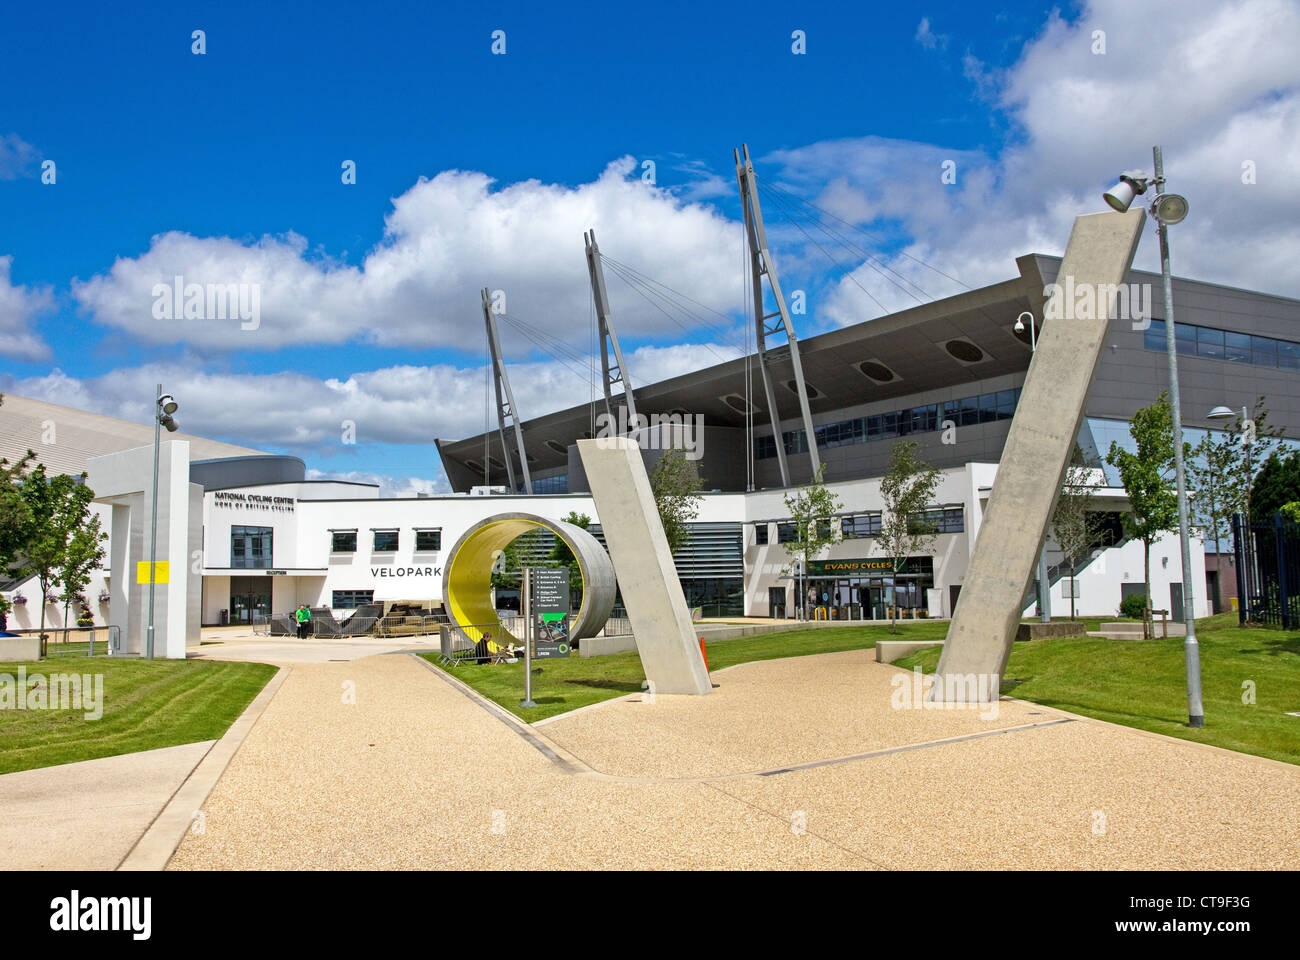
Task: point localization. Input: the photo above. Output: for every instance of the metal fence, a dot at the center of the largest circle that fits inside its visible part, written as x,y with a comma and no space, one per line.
1268,571
469,643
103,641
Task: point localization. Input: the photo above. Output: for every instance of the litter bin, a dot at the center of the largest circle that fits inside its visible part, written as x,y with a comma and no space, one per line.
225,618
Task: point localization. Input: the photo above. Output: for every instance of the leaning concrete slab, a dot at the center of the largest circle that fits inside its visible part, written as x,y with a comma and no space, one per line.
1038,447
661,622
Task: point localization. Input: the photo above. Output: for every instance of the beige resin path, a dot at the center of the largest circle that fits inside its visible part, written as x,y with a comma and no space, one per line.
416,774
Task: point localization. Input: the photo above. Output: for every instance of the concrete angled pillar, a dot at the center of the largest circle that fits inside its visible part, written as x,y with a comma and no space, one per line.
652,593
1036,454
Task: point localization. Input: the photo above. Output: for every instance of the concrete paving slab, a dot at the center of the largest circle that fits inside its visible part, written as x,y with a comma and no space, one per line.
88,815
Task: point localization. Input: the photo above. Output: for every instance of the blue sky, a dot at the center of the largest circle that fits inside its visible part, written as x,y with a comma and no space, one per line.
234,156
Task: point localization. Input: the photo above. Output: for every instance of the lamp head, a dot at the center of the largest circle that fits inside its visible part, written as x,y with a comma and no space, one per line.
1132,184
168,404
1220,413
1169,208
168,422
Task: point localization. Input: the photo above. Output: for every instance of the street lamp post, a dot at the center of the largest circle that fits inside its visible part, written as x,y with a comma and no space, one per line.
1248,441
1044,587
164,406
1169,208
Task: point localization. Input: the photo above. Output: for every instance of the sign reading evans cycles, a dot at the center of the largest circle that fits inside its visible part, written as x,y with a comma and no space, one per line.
862,567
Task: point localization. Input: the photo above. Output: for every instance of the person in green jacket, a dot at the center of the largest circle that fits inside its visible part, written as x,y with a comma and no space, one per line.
304,620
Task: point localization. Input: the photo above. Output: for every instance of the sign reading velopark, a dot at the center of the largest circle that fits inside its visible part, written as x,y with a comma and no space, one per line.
550,612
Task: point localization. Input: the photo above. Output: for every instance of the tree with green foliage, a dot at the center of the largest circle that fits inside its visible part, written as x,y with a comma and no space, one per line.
1074,524
84,554
812,508
57,508
1276,484
15,516
907,489
1220,471
562,556
676,485
1148,478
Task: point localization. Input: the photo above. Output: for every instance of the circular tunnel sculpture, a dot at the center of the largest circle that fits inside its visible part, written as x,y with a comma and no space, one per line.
467,582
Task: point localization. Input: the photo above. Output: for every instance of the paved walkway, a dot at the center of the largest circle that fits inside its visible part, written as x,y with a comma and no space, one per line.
88,815
788,764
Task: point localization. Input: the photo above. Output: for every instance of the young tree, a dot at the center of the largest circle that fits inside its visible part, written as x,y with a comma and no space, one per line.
84,554
562,556
907,489
812,508
1221,472
15,518
676,484
1074,524
1277,484
56,505
1148,478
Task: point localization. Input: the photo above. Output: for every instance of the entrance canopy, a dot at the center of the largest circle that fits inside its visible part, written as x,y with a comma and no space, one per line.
467,581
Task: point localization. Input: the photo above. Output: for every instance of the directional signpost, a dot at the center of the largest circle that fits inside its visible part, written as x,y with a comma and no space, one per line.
546,620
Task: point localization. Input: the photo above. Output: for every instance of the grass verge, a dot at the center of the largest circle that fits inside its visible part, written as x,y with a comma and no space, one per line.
563,685
1142,683
146,705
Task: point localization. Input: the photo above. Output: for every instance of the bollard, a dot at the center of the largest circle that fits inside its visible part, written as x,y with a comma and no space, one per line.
704,654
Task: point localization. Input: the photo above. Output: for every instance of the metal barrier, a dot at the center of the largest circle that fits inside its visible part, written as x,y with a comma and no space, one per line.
105,641
616,627
475,643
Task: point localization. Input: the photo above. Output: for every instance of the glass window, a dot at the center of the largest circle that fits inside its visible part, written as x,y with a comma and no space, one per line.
1209,343
860,525
760,533
823,529
250,547
1236,346
351,599
1263,351
1006,404
343,541
385,541
1185,336
786,533
970,411
889,425
988,407
874,427
1153,337
1288,355
952,411
428,539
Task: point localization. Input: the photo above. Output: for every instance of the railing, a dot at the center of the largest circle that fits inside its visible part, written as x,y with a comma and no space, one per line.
105,641
1268,571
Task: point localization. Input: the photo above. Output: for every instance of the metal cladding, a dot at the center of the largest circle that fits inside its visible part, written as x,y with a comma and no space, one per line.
467,580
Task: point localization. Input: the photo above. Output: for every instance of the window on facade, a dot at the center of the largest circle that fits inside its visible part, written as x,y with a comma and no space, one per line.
250,547
860,525
824,529
385,541
351,599
760,533
786,533
1215,344
428,539
343,541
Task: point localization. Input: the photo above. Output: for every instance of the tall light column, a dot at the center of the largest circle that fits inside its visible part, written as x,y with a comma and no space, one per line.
1191,648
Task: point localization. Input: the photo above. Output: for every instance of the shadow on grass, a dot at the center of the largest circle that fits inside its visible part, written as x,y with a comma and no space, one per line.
623,685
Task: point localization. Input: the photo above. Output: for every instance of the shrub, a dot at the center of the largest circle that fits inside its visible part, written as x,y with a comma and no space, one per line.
1133,606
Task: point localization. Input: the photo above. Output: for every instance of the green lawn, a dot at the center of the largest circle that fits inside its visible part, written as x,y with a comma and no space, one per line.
1141,683
563,685
147,704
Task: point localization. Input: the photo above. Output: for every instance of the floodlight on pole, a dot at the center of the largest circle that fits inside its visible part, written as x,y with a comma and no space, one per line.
164,406
1221,413
1132,184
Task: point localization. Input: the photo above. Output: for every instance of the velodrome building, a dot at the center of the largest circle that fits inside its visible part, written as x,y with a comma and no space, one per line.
946,375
